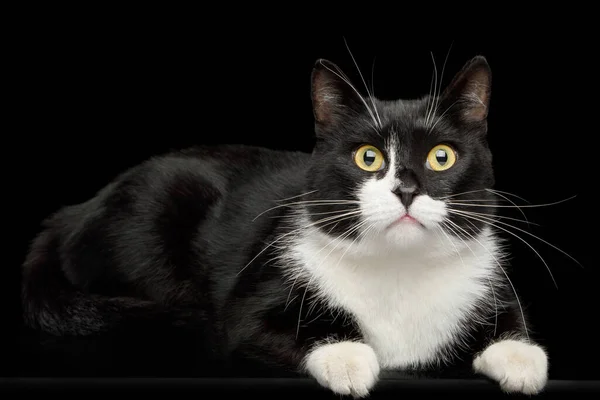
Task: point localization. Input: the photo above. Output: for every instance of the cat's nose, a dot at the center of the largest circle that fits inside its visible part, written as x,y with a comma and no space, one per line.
408,187
406,194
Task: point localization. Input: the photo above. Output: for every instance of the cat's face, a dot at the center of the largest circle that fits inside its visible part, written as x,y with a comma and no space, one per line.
405,171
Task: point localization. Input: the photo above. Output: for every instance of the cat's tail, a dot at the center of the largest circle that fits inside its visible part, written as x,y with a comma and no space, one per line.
71,332
52,304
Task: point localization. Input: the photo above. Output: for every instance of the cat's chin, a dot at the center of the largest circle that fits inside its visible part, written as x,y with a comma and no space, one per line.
406,233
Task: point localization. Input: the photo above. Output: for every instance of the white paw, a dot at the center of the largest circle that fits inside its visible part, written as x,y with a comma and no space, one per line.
519,367
347,368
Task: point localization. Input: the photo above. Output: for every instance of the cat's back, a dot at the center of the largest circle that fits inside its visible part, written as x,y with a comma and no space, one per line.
233,173
198,175
182,187
150,216
240,163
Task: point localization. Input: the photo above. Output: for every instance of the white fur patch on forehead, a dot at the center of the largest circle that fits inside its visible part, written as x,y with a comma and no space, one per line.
391,147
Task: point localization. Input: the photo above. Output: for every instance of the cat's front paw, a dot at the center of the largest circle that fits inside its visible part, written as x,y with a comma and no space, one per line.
347,368
517,366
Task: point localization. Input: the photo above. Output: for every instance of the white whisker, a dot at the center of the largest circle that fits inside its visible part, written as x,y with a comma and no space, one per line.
341,238
309,202
480,200
299,195
429,99
494,216
496,191
512,202
491,191
429,113
347,81
373,77
293,216
364,232
521,230
442,116
459,194
503,271
511,206
446,223
437,96
335,219
365,83
515,235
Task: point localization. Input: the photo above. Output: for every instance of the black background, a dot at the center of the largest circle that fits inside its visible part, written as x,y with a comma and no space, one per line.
101,95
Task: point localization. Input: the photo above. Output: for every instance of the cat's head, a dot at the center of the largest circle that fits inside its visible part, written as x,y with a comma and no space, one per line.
401,171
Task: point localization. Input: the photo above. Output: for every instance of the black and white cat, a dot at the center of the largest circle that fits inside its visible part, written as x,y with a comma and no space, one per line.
370,254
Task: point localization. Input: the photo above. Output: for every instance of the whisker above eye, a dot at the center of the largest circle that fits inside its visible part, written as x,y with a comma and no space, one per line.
437,93
378,119
344,78
431,109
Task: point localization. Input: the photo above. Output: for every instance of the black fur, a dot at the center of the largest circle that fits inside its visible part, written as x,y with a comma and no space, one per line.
162,245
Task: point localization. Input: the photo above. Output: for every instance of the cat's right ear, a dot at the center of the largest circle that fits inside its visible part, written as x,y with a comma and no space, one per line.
333,96
469,92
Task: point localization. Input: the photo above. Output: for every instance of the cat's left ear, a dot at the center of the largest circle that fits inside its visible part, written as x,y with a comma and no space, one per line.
334,98
468,94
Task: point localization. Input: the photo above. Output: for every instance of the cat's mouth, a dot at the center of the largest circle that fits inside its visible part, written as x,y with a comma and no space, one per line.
406,219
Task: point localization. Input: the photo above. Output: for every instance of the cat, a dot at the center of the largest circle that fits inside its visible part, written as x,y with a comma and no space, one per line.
342,264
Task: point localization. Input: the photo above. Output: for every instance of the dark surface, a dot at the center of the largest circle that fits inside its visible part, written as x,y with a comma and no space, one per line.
215,388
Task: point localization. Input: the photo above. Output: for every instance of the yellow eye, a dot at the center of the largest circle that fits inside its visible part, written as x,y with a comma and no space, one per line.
369,158
440,158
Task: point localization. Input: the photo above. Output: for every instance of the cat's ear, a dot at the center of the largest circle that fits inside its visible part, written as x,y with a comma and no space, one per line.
333,96
468,94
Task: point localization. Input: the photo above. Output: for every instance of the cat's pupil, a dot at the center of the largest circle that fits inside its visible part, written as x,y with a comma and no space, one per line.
441,157
369,157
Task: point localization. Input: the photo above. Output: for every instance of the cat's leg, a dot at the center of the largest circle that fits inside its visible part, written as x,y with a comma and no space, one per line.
345,367
519,366
517,363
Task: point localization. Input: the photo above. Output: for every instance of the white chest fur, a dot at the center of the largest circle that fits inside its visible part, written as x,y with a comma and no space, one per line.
407,305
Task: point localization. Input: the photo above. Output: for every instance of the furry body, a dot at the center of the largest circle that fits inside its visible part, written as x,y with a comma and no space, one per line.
299,262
